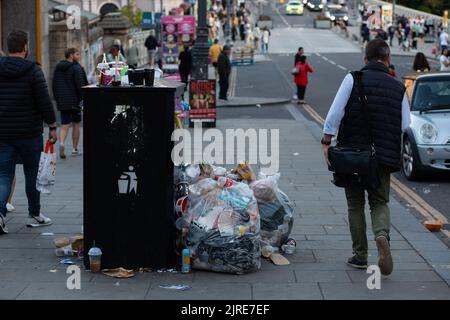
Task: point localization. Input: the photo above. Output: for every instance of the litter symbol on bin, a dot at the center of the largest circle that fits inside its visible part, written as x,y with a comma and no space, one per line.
128,182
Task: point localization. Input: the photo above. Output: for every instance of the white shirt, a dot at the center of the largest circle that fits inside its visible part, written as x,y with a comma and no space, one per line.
443,59
444,38
337,110
265,36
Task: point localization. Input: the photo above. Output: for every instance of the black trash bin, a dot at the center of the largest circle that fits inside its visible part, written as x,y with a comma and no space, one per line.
128,174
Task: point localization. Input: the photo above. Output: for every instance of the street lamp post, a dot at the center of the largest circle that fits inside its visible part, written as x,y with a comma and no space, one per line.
227,31
201,48
393,13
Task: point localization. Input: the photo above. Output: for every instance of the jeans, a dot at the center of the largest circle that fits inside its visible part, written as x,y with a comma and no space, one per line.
379,211
264,47
223,83
301,92
30,152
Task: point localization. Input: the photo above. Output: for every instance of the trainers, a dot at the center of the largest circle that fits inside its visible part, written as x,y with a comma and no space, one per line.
75,152
384,256
62,154
10,207
39,221
294,97
356,263
3,228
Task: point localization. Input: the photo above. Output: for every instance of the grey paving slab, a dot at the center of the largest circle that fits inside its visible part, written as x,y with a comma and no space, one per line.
388,291
213,291
274,276
10,290
287,291
120,290
399,276
321,276
37,275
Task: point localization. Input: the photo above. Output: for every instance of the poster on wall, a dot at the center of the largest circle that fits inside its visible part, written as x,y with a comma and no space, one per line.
202,102
176,33
386,14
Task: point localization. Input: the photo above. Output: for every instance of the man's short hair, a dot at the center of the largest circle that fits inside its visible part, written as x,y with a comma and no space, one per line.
377,49
69,52
225,47
216,41
16,41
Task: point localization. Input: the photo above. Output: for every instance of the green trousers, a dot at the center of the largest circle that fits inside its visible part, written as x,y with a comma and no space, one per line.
379,212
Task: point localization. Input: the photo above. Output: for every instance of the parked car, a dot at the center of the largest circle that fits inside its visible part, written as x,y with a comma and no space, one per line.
294,7
426,143
316,5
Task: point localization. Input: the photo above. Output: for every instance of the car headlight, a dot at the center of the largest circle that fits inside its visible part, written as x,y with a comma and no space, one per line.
305,1
333,18
310,5
321,6
345,18
428,133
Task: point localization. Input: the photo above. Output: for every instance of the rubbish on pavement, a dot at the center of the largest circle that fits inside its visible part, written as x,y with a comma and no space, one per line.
182,287
275,209
295,153
289,246
53,270
245,171
278,259
258,105
67,261
47,234
64,251
426,190
267,251
186,261
77,243
433,225
118,273
95,257
222,225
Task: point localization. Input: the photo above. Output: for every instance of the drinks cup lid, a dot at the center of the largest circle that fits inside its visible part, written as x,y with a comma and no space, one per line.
94,251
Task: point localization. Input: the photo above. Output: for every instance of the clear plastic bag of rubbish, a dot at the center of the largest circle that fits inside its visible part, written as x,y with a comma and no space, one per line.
275,209
224,224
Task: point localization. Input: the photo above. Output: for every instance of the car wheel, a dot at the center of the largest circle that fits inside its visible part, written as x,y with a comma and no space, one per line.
410,165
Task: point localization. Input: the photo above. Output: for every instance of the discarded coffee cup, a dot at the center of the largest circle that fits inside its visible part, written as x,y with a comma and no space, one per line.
95,259
289,246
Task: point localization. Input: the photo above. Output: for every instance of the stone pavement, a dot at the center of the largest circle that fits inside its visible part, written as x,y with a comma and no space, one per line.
317,269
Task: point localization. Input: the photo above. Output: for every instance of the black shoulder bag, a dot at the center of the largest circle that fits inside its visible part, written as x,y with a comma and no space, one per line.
356,165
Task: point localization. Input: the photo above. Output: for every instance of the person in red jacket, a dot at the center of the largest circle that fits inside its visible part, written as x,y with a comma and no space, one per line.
301,78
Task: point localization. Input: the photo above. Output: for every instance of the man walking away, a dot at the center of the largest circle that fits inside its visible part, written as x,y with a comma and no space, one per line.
298,55
24,105
185,66
388,114
214,53
132,54
444,39
256,36
152,46
68,79
224,69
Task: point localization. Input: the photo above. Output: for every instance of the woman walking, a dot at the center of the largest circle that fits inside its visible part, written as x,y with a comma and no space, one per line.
301,78
421,63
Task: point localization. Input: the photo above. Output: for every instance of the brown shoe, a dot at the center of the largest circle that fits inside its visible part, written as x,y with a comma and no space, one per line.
384,256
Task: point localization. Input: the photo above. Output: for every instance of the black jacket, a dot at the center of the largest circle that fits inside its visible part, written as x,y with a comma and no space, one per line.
223,65
24,99
151,43
385,95
185,58
68,79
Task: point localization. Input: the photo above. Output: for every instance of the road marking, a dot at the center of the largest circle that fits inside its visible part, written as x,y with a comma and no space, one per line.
341,67
325,58
282,18
402,190
332,62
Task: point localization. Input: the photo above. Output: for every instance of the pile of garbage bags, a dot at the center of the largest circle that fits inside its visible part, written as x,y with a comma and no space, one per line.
225,218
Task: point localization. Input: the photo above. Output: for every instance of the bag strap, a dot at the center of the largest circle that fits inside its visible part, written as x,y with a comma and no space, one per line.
49,148
357,77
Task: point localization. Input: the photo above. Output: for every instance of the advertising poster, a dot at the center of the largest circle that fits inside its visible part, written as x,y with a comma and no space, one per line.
203,101
386,14
176,32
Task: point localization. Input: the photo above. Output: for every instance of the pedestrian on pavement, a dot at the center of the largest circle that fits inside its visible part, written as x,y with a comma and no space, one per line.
391,31
265,40
388,114
24,105
185,66
115,53
132,54
421,63
301,78
365,34
214,53
298,55
68,79
224,70
256,36
444,60
444,39
152,48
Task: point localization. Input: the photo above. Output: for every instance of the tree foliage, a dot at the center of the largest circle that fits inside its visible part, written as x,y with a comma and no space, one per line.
134,14
433,6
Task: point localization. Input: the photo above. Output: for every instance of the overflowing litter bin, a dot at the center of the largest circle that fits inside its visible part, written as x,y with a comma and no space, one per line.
128,174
